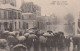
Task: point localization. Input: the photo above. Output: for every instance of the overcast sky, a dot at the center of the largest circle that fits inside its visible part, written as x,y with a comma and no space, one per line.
73,7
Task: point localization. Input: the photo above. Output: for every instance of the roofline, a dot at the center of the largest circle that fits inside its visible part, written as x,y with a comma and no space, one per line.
9,9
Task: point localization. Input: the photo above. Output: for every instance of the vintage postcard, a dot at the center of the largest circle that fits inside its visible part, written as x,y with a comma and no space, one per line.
39,25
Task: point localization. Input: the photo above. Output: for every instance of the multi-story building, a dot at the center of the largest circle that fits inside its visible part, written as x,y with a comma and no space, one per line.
29,21
41,23
30,7
10,17
30,12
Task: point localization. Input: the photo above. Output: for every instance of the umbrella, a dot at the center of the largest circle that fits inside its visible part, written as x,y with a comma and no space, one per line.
21,38
47,34
3,42
30,31
12,33
12,40
32,36
19,46
3,50
42,39
26,34
61,33
41,32
6,32
11,37
49,31
16,31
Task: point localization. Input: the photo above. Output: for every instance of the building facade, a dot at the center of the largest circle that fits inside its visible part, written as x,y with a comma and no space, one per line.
30,12
10,17
29,21
30,7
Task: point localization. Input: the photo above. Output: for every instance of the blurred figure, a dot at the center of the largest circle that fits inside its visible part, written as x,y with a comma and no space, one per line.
36,44
4,45
75,43
12,41
30,40
4,34
29,44
20,34
42,40
21,40
56,37
67,41
61,41
53,41
49,42
26,40
36,40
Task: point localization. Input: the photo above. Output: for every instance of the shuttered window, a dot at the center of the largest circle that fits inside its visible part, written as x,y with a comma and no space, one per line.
0,14
19,15
4,14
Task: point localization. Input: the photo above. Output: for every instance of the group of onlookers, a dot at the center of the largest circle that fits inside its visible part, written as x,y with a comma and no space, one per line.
39,41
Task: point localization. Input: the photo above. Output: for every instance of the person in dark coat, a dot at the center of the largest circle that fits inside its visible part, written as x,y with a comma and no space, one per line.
56,37
75,42
4,45
49,44
4,35
42,42
29,43
20,34
1,34
67,41
36,44
61,41
12,41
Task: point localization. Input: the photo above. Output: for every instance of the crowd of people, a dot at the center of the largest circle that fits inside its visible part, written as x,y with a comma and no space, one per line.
18,41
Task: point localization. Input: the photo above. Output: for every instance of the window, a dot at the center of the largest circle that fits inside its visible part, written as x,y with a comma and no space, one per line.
15,25
5,14
22,17
19,25
9,16
0,14
15,15
27,25
38,25
30,17
19,15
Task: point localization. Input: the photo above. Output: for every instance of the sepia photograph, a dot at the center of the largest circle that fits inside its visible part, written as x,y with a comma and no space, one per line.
39,25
